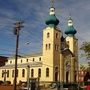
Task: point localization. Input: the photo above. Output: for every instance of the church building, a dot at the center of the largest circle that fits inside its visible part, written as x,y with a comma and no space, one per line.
57,62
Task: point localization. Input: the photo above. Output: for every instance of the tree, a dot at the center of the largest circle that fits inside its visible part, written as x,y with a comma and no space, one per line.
88,68
87,76
82,67
86,48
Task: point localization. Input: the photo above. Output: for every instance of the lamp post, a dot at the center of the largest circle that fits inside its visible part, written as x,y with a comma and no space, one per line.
17,28
5,76
28,73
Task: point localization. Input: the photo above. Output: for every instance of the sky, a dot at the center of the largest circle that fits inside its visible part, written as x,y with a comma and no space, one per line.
34,13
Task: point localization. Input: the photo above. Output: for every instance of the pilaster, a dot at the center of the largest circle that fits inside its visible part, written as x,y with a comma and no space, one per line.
61,68
72,70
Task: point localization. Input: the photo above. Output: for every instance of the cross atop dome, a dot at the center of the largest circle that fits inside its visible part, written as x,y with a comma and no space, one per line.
70,21
70,30
52,3
52,9
52,21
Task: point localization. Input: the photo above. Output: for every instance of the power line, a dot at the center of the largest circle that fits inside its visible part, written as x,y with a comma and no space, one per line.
32,35
7,50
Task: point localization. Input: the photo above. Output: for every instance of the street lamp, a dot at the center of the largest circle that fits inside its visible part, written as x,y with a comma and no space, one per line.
17,28
5,76
28,73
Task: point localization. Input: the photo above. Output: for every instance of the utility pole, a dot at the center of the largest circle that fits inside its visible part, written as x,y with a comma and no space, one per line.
17,28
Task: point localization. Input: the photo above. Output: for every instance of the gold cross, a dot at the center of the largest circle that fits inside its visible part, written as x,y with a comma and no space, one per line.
52,3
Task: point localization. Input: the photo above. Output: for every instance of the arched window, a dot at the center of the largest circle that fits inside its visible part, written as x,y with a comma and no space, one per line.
49,45
39,72
12,73
10,62
56,73
56,47
48,35
56,35
32,72
27,60
40,59
47,72
67,76
33,59
23,72
7,73
2,73
21,60
46,46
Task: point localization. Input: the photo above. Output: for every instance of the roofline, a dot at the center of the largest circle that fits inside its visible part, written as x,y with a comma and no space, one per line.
26,56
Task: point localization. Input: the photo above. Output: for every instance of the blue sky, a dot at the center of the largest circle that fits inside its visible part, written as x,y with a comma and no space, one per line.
34,14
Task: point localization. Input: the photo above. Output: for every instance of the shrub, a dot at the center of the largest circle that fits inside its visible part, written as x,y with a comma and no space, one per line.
1,82
8,82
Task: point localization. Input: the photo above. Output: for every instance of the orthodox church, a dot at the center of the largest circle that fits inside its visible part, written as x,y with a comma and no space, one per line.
57,62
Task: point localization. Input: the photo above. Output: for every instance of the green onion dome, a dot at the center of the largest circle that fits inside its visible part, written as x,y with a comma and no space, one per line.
52,21
71,31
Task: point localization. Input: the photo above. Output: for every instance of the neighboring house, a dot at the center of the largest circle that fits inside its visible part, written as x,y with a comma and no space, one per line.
3,60
83,74
58,60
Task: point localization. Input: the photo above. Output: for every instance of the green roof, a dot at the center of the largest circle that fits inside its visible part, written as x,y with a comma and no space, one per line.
70,31
52,21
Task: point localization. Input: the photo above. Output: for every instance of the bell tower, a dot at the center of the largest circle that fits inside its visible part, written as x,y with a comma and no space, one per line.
51,44
72,42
